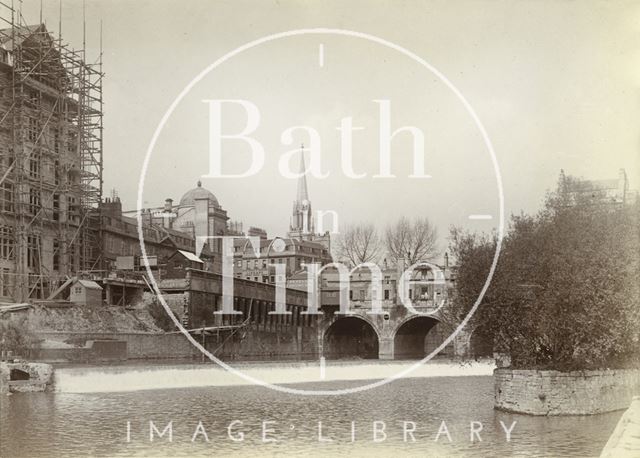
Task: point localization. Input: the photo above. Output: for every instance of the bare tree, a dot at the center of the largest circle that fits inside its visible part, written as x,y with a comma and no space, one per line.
358,243
412,240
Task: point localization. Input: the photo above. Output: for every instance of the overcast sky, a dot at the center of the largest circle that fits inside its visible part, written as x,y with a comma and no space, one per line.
554,83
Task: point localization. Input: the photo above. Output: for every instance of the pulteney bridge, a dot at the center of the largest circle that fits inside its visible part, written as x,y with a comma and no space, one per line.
395,334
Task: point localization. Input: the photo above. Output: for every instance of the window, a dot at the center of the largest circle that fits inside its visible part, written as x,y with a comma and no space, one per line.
35,285
34,201
56,139
6,242
56,207
72,208
350,295
386,294
33,251
32,132
56,173
72,142
56,255
34,165
5,282
72,256
6,197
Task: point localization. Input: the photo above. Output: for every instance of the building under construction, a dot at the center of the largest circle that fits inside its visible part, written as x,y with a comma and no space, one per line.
50,159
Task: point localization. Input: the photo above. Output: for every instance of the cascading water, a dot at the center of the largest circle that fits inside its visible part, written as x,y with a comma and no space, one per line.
145,377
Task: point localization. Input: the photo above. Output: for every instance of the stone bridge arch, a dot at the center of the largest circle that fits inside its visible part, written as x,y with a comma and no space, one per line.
351,336
416,337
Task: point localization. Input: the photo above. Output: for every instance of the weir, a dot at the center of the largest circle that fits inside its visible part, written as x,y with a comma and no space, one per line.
137,378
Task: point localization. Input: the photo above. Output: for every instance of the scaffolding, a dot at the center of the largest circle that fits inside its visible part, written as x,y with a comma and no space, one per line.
51,158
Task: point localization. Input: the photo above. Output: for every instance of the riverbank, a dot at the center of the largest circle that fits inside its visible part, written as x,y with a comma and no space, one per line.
625,440
136,377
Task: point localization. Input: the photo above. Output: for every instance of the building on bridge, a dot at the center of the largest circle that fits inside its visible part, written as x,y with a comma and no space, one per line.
396,333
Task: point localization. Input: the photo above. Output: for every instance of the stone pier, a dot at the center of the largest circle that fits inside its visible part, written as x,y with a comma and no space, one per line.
22,377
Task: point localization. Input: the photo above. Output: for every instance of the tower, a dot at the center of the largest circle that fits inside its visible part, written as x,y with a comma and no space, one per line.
301,226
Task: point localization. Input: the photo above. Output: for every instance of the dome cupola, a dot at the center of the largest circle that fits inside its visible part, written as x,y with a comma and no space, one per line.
189,198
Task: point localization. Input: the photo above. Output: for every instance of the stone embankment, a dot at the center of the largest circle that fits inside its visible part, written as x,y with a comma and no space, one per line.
625,440
546,392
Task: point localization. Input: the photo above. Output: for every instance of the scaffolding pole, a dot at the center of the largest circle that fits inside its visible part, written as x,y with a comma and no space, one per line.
50,158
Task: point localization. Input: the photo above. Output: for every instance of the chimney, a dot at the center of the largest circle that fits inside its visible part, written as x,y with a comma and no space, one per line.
112,207
167,219
257,232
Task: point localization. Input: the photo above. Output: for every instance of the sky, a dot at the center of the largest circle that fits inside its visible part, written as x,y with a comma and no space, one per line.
554,83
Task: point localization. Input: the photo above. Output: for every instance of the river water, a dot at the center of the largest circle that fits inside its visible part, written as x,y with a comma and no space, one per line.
95,423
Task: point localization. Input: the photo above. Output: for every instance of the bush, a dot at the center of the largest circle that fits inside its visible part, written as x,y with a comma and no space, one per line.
16,337
566,291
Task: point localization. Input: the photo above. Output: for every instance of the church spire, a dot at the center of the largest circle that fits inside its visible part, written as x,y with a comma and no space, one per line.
301,221
302,193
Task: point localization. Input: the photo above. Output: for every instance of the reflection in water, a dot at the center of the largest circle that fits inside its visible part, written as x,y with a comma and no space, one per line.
67,424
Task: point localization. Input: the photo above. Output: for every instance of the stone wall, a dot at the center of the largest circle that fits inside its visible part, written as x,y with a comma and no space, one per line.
564,393
140,345
37,377
250,343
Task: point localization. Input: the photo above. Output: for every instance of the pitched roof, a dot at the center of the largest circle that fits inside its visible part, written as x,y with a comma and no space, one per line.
21,34
190,256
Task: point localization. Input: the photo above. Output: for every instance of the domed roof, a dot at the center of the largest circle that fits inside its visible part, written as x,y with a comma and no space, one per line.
198,192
